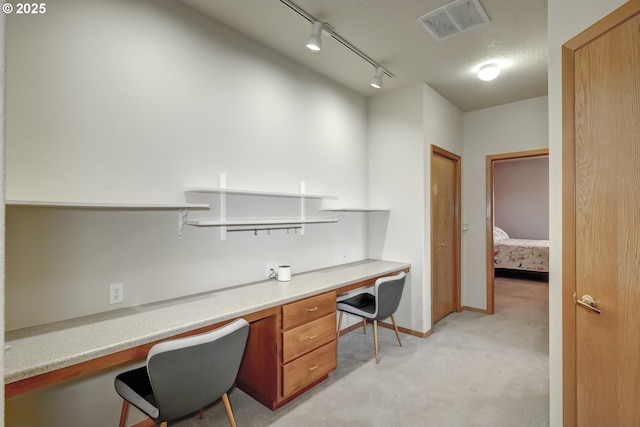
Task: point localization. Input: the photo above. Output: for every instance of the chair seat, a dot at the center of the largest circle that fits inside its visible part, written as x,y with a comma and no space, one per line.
354,292
379,305
135,387
363,305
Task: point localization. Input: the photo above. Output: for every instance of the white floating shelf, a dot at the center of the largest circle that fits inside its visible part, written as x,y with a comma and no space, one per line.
353,210
256,193
81,205
214,223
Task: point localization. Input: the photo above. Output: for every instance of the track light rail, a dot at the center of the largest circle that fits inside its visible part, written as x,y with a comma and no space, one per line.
328,28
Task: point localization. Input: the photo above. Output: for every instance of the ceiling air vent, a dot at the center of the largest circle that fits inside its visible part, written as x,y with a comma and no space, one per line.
454,18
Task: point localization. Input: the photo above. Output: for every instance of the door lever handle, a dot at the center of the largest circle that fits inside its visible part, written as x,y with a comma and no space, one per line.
587,301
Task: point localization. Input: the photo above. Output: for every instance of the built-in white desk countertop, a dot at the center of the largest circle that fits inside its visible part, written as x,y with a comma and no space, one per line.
38,350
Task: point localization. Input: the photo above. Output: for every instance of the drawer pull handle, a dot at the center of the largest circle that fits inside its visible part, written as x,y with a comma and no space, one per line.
314,308
313,367
311,337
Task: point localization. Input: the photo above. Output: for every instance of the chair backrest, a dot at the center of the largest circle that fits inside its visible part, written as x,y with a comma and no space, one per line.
187,374
388,292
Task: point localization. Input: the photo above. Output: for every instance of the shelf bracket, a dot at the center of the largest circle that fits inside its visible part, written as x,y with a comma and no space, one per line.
303,207
222,183
182,220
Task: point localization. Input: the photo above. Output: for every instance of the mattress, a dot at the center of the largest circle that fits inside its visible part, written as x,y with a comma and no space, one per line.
521,254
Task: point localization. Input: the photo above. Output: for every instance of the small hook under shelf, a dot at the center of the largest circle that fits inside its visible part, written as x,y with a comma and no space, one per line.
267,229
182,220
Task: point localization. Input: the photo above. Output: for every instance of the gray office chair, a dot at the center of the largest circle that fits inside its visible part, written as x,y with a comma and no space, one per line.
184,375
379,305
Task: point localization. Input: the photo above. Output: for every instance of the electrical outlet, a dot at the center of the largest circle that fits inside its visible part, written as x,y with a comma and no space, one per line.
271,269
116,293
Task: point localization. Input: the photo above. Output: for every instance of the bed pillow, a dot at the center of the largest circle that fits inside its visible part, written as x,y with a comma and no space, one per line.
499,234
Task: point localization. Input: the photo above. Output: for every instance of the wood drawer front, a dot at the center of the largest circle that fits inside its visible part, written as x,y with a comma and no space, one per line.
307,337
309,309
308,368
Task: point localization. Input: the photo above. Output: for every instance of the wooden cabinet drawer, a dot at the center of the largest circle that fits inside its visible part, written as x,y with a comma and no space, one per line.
309,309
308,368
307,337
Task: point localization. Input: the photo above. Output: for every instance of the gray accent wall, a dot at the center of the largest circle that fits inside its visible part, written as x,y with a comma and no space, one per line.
521,197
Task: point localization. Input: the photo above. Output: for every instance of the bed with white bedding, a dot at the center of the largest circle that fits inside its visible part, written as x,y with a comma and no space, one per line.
519,255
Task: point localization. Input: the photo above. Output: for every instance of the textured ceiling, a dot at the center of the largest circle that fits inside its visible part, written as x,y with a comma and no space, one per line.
388,32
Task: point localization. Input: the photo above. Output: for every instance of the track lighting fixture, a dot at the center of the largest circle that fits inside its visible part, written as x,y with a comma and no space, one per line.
376,81
314,42
320,29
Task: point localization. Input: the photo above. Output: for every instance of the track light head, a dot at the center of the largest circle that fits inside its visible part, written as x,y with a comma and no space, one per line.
376,81
314,42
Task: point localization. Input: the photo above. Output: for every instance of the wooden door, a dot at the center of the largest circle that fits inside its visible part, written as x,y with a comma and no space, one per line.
604,234
445,233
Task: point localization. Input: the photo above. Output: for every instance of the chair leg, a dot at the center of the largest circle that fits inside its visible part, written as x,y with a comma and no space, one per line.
339,325
123,414
201,413
164,424
395,326
375,339
364,325
227,407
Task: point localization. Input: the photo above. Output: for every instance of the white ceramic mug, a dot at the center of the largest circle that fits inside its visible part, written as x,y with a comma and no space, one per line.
284,273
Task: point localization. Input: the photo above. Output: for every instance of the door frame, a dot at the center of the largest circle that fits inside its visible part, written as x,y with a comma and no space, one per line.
435,150
569,342
489,220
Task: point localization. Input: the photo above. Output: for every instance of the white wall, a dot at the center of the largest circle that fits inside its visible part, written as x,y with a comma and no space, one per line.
518,126
402,125
396,179
442,123
521,197
2,210
133,103
142,99
567,18
119,101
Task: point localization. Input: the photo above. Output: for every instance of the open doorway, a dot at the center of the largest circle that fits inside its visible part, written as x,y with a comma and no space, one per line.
491,163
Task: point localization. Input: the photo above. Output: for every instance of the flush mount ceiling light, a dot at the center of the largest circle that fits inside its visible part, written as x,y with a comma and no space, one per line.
314,42
376,81
488,72
319,29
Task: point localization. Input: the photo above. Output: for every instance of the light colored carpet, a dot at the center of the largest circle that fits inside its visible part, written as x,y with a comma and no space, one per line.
475,370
